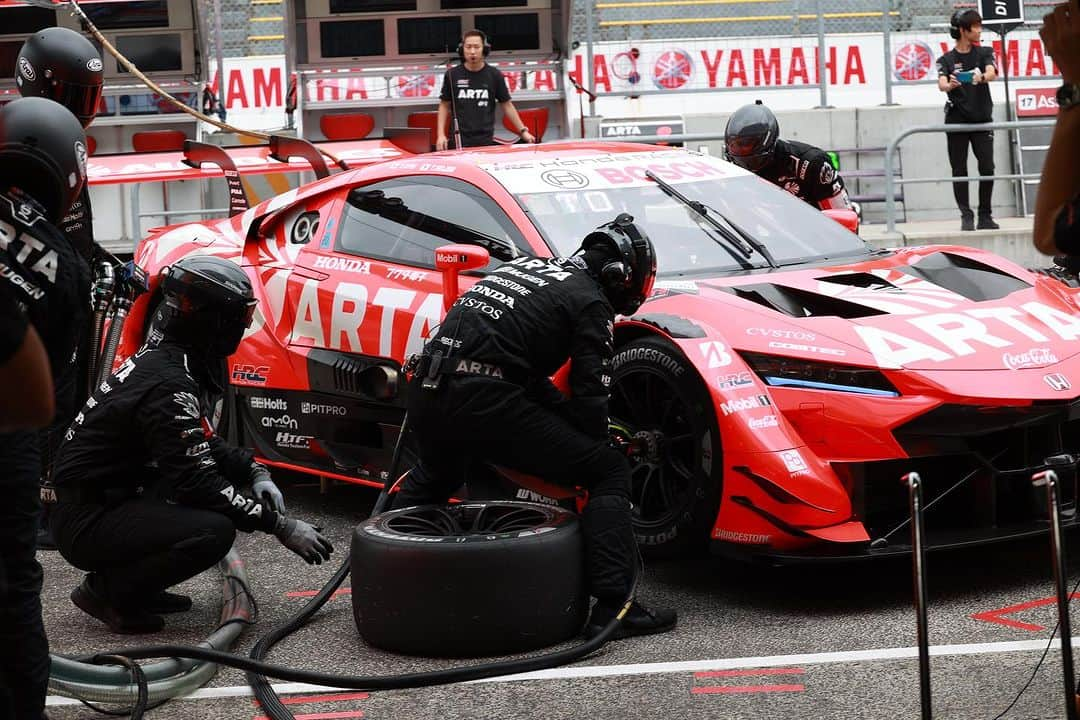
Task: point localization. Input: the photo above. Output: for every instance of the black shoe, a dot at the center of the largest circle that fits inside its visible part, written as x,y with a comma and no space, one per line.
126,621
967,221
165,603
987,223
639,621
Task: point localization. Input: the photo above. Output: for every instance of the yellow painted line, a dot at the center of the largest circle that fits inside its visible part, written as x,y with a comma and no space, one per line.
669,3
746,18
259,38
270,18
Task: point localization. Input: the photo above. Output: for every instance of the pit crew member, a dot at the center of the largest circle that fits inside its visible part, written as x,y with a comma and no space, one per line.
481,393
43,171
752,141
146,494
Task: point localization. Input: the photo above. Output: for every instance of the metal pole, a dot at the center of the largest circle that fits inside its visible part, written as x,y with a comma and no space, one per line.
885,40
1049,478
918,565
220,53
823,83
1003,30
591,84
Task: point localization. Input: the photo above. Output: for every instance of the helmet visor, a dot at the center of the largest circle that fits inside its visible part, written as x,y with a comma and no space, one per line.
82,100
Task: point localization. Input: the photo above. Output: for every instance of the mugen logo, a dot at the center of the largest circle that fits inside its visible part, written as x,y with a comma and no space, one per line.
250,374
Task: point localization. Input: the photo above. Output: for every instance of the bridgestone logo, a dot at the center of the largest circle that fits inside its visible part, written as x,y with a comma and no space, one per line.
652,355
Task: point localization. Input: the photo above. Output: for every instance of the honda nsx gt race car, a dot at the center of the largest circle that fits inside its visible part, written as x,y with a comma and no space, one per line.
781,379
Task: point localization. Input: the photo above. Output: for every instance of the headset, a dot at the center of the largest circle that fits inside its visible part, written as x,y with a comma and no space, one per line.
628,278
955,20
483,37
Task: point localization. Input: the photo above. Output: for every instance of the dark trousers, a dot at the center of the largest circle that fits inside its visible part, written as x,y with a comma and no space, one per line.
139,547
982,144
24,651
469,420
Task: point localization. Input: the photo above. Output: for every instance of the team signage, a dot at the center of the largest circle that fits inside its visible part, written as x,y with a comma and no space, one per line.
639,127
998,12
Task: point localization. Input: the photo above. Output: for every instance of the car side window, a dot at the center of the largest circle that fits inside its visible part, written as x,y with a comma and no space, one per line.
405,219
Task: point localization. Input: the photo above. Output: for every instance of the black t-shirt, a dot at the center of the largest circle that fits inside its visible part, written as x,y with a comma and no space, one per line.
968,103
528,317
804,171
475,95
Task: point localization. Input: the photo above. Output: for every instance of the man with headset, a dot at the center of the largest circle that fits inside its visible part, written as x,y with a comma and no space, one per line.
469,93
481,393
963,73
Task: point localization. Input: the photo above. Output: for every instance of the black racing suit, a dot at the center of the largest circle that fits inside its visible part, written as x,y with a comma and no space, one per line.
50,283
494,403
807,173
146,494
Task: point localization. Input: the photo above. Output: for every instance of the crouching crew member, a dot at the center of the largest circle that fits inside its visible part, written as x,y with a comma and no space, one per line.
42,170
752,141
481,393
147,495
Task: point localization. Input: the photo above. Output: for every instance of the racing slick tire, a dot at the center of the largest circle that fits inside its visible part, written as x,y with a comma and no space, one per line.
469,579
658,397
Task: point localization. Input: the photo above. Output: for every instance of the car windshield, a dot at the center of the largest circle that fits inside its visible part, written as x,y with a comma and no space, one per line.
792,230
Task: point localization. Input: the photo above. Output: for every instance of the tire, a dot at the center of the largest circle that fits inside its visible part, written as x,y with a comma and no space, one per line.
676,484
468,580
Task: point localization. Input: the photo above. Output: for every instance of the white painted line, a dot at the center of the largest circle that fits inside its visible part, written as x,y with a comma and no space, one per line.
596,671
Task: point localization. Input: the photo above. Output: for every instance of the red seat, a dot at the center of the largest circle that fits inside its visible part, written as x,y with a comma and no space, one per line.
427,120
347,126
91,145
158,140
535,119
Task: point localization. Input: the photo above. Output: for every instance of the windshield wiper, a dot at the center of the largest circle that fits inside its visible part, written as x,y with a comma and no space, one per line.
738,238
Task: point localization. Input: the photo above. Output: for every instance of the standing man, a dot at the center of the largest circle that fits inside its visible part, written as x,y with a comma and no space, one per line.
964,73
42,171
752,141
481,393
469,93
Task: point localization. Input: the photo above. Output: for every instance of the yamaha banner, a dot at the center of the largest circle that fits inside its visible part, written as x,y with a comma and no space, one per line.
997,12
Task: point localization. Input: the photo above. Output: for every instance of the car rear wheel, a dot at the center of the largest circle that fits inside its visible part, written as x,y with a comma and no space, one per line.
658,397
468,579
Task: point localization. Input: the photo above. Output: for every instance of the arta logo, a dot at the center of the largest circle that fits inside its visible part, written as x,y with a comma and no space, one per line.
673,69
1057,381
564,179
912,61
1034,358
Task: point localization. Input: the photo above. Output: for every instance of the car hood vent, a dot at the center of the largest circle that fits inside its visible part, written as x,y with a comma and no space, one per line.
795,302
965,276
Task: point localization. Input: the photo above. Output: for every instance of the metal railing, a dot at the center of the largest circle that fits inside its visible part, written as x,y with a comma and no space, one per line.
891,182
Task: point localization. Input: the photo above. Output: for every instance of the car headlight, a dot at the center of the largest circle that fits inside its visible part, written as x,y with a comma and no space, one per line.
779,371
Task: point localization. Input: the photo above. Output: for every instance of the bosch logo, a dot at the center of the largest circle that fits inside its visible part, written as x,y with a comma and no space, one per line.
564,179
27,70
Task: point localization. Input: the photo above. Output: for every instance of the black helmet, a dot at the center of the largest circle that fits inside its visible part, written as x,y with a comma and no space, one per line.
62,65
629,272
750,136
43,153
208,304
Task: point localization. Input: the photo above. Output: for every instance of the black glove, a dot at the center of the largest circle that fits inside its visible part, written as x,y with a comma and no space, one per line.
264,489
303,539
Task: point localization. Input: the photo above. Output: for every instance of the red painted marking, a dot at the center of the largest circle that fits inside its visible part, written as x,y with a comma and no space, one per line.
732,689
746,673
322,716
995,616
333,697
313,593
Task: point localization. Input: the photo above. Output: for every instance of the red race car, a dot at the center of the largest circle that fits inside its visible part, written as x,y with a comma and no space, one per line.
780,381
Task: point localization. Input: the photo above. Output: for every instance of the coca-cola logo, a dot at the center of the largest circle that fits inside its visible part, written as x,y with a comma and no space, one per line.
1034,358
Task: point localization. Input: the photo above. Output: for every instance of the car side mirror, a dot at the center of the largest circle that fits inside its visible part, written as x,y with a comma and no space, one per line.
453,259
847,218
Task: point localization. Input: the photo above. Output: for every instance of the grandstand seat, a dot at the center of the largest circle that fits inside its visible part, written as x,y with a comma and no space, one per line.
346,126
535,119
158,140
427,120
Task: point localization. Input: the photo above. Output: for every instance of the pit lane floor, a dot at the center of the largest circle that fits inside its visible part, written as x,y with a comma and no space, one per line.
832,641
